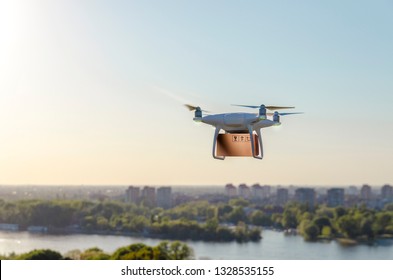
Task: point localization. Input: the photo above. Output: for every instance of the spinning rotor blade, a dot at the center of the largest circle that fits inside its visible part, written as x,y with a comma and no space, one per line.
272,108
190,107
193,108
247,106
278,107
285,114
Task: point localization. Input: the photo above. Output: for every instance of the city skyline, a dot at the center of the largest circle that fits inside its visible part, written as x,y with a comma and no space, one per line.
92,93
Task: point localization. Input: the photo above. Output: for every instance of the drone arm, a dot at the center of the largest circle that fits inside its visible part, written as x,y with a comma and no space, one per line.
251,130
215,142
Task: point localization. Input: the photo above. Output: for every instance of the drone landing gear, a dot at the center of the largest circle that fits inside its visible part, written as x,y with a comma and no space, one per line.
251,131
215,142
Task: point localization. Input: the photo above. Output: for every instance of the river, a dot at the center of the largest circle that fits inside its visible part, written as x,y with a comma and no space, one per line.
273,246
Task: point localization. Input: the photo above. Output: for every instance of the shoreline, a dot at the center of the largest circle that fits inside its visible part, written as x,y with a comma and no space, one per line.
54,232
345,242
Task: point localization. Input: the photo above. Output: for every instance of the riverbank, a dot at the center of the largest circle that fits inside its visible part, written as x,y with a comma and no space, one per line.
384,240
145,234
274,246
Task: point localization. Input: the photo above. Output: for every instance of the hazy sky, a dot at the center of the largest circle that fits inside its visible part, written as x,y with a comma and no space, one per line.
91,92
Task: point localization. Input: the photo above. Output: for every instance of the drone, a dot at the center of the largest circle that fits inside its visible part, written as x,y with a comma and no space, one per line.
241,126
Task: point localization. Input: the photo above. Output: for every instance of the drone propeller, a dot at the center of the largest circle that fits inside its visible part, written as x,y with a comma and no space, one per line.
284,114
276,116
193,108
190,107
272,108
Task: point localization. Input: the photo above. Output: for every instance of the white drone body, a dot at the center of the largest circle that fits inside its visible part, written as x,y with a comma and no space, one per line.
241,123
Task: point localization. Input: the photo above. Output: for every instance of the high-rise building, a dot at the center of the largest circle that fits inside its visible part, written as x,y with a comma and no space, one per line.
282,196
266,191
149,196
352,191
164,197
260,192
257,191
365,192
305,196
351,196
387,192
230,190
244,191
133,195
335,197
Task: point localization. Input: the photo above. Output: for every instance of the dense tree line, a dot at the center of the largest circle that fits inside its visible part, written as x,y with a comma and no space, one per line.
237,219
196,220
358,223
163,251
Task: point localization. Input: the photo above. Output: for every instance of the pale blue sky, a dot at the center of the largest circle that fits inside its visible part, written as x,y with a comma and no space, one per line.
85,90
